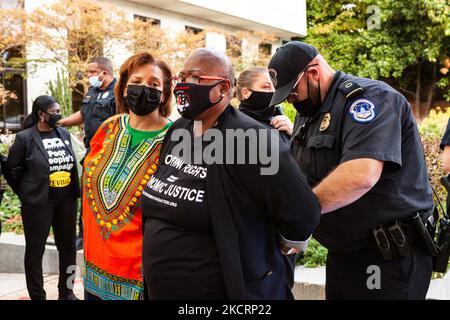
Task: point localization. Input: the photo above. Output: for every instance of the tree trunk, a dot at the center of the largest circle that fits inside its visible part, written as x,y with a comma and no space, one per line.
431,91
418,87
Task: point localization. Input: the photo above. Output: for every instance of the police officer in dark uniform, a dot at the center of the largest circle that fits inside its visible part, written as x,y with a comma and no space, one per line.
358,144
98,105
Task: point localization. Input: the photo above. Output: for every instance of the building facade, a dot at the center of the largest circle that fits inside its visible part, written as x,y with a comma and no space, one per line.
285,19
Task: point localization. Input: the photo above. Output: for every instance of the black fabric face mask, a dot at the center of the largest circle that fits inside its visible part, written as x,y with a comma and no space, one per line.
308,107
53,119
142,100
193,99
257,101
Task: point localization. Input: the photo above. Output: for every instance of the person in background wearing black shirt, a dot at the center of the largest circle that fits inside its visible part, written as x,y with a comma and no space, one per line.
219,231
41,169
255,90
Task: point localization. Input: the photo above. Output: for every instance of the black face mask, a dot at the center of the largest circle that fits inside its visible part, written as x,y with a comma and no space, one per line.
52,119
193,99
257,101
310,106
142,100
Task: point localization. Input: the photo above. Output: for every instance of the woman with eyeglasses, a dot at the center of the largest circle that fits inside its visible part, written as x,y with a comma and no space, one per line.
254,90
41,169
124,155
218,229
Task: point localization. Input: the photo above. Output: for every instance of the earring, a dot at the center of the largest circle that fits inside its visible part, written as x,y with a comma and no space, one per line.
223,94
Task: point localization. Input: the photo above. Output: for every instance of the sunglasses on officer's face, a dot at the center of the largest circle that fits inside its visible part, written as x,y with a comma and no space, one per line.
294,88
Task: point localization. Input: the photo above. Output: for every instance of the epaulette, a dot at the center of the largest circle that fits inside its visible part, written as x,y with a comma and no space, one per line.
351,89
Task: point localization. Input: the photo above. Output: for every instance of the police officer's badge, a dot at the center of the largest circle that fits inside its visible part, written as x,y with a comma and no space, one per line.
362,111
325,122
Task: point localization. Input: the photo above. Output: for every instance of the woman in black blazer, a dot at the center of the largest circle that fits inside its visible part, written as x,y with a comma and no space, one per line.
41,169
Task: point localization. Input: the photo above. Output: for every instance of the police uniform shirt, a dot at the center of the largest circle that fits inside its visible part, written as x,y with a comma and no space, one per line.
98,105
446,138
364,118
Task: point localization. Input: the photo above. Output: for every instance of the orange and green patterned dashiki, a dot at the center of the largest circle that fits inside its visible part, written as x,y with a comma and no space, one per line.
115,173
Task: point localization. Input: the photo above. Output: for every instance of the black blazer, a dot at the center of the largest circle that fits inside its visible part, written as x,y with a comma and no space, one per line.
249,211
27,168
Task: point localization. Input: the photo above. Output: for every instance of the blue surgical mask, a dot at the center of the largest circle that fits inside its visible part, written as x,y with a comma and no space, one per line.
95,82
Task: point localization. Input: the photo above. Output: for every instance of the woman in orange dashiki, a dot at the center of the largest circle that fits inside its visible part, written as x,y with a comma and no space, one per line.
124,154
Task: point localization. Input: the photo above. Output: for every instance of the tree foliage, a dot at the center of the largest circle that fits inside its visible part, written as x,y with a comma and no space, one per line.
71,33
403,42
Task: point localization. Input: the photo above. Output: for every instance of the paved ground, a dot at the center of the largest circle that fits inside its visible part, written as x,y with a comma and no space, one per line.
309,283
13,287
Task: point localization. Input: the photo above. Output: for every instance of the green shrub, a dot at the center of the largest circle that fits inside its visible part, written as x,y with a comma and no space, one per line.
62,92
10,217
431,130
315,255
289,110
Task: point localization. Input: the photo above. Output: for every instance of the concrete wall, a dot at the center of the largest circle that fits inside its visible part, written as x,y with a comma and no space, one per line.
289,15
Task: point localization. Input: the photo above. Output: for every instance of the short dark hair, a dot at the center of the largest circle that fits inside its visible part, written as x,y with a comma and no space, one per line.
103,63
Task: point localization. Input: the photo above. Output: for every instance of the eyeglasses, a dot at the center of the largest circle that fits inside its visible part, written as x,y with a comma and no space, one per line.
294,88
194,79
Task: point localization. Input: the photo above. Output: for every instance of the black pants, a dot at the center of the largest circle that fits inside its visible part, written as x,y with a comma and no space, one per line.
90,297
354,275
61,215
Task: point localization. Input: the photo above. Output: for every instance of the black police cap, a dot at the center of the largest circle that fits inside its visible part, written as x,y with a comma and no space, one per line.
287,62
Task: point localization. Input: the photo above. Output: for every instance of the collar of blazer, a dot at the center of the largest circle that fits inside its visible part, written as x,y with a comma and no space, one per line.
59,132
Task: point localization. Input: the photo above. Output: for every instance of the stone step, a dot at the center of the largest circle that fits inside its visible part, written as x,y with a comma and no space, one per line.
12,253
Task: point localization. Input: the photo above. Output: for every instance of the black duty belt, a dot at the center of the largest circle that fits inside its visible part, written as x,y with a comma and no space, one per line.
395,240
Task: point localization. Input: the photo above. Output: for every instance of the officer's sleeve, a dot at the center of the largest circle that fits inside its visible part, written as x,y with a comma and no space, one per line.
372,129
446,138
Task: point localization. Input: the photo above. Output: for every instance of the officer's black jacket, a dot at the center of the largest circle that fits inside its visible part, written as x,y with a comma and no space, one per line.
265,119
247,212
369,119
98,105
28,157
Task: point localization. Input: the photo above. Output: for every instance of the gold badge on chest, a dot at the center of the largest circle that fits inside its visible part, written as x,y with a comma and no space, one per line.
325,122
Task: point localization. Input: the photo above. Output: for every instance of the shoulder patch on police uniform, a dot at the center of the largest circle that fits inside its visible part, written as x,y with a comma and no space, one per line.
362,111
350,89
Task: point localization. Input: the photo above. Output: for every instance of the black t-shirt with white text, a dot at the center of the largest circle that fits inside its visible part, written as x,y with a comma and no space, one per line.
61,163
179,251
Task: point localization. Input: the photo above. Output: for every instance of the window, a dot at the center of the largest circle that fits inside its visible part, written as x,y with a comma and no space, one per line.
193,30
147,34
154,22
265,49
234,46
13,112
